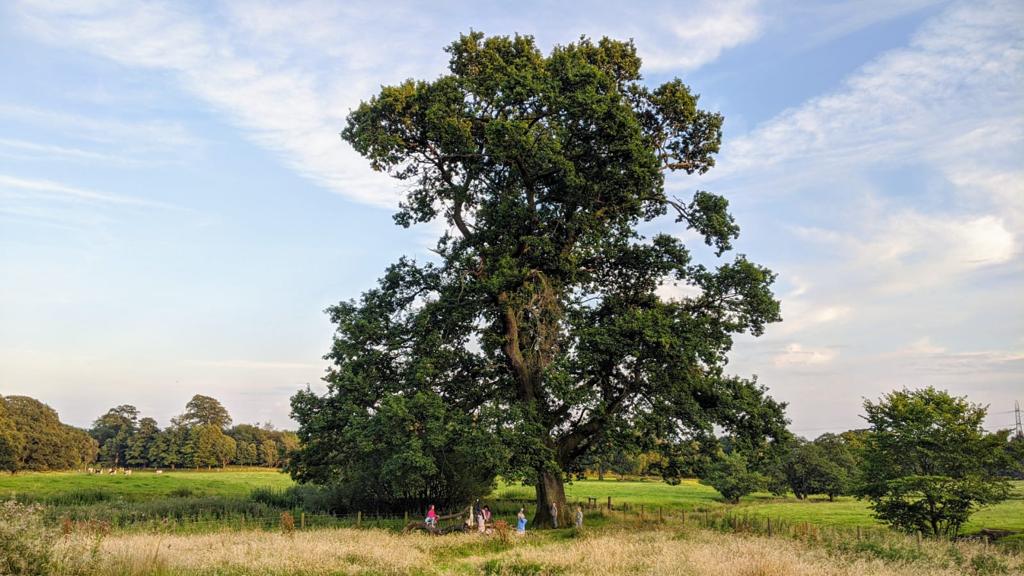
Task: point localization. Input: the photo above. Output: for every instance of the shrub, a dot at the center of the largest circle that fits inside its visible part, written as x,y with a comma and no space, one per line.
25,541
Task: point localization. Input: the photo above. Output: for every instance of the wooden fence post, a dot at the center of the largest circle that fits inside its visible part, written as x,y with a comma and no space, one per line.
406,517
302,520
769,526
609,503
359,519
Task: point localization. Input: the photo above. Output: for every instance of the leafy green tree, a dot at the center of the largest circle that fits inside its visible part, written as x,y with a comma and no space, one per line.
12,443
79,447
113,431
825,466
542,316
1015,453
168,449
203,410
48,443
209,446
270,453
730,476
407,453
141,443
928,463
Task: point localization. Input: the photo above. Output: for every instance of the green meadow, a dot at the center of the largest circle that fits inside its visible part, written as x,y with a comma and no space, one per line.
142,486
77,492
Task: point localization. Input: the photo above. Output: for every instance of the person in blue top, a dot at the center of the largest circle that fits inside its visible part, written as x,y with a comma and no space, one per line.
521,522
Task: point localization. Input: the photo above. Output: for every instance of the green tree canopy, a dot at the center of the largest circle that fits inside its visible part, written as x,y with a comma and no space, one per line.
928,463
203,410
141,443
48,444
408,453
209,446
113,432
541,316
827,465
730,476
12,442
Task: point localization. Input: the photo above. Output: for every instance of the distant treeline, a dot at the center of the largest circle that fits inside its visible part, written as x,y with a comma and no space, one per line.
32,437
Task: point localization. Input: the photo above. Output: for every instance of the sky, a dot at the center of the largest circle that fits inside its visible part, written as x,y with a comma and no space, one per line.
177,209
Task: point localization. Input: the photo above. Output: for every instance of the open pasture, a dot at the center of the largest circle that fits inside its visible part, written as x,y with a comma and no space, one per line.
690,495
67,487
77,491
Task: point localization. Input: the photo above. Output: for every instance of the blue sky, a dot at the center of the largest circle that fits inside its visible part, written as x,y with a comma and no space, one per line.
176,208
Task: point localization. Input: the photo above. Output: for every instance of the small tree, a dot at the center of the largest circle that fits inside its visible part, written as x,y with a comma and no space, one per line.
928,464
730,476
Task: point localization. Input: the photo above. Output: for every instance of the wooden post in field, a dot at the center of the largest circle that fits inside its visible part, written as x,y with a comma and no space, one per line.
858,533
919,539
641,512
302,520
609,503
769,526
684,517
661,517
359,519
406,518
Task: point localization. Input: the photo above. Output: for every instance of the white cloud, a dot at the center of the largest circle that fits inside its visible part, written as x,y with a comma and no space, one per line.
289,73
948,100
797,355
924,346
141,135
52,189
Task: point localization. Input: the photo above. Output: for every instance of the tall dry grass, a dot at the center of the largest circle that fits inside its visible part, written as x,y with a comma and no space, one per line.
607,552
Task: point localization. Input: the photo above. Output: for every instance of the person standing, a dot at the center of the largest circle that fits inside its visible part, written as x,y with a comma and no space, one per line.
554,515
521,522
432,517
479,514
579,517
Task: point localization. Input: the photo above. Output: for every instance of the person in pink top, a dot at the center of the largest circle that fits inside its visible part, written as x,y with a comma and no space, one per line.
432,517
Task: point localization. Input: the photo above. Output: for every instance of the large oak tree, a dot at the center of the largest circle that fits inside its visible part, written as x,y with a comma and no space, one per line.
541,315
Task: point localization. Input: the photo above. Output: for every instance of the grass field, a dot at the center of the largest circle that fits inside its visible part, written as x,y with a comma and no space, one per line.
202,488
690,495
216,543
636,549
144,485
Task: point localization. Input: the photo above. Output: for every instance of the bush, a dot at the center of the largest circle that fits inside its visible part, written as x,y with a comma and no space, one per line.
25,541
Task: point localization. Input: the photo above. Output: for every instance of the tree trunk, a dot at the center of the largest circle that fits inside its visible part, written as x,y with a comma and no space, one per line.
550,489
